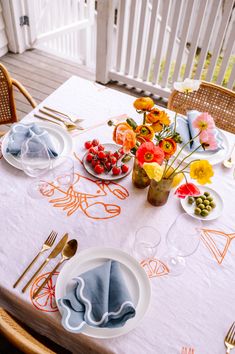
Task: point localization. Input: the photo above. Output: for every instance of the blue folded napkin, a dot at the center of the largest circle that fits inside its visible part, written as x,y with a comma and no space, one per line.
187,131
99,298
21,132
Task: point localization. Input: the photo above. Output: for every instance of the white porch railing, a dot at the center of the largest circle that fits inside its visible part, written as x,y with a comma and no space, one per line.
162,41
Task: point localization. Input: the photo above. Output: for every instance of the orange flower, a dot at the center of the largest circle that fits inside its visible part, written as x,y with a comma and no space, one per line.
158,119
169,146
129,141
119,131
148,152
144,133
143,104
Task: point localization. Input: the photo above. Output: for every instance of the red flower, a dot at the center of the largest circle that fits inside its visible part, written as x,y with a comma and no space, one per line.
148,152
187,189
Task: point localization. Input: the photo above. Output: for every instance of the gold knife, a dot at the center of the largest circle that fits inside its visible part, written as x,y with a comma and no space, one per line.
58,248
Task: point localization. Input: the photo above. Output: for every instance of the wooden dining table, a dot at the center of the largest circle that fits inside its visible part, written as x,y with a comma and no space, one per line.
194,309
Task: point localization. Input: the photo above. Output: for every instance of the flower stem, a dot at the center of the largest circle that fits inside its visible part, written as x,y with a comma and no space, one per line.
144,119
182,150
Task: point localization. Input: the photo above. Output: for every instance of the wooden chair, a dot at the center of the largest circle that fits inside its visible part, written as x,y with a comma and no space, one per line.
19,337
211,98
7,107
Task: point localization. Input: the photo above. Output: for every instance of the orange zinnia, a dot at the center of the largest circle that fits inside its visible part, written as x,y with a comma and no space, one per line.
143,104
119,131
158,119
144,133
169,146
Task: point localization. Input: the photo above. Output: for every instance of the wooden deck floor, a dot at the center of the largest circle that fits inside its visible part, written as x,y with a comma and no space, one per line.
41,73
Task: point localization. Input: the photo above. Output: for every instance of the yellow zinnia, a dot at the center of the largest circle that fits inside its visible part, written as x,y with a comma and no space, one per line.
153,170
202,171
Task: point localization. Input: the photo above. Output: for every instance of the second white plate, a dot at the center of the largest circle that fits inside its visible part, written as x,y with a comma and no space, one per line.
214,214
135,278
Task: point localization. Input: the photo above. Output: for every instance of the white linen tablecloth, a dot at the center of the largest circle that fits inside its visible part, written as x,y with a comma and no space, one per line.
194,309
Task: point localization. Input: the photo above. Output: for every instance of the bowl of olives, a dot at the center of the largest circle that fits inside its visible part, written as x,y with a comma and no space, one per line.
207,206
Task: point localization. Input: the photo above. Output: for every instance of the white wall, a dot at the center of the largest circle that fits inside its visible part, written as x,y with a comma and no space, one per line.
3,37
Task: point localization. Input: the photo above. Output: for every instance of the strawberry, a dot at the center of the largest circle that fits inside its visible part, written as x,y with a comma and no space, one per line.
95,142
99,169
124,168
116,170
101,155
89,157
100,147
113,160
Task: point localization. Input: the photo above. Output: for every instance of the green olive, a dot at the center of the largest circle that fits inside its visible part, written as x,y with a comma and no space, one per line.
201,206
190,200
210,199
199,200
208,208
212,204
207,194
203,197
197,211
206,202
204,212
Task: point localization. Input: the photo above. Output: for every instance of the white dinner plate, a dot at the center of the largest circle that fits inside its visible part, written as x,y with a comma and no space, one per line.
62,142
214,214
213,157
135,277
107,176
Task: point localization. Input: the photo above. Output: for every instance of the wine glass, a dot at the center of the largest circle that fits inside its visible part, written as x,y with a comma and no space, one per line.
36,162
147,239
182,240
63,174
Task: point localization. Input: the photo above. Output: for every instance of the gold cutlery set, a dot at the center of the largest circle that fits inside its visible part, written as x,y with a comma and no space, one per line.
57,117
65,247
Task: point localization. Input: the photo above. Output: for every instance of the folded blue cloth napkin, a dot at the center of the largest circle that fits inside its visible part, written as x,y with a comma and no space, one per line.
187,131
99,298
21,132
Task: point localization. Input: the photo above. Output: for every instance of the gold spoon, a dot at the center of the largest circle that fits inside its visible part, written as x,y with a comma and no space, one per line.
231,161
68,251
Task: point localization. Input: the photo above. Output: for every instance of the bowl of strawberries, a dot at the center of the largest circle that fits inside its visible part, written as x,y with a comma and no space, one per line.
106,161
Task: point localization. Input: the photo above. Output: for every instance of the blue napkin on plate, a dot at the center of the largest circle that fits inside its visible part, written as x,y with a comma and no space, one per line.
20,132
99,298
187,131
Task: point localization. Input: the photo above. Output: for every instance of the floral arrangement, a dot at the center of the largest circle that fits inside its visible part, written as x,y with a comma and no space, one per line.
154,144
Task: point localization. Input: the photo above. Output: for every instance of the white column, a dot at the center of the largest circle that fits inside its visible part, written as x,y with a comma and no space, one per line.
104,39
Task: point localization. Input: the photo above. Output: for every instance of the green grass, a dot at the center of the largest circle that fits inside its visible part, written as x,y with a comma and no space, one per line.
204,71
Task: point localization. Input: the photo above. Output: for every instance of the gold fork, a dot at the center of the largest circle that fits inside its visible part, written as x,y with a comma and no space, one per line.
69,125
187,350
53,110
229,340
47,244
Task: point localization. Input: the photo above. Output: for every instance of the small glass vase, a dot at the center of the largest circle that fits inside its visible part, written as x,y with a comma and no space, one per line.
158,192
139,176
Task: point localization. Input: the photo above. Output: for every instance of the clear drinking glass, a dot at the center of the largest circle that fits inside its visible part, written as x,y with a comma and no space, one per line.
36,162
63,174
182,240
147,239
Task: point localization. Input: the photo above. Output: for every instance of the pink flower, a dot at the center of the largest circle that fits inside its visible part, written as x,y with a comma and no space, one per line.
187,189
204,122
207,138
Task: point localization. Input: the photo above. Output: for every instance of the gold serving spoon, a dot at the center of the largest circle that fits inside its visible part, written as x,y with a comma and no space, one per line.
231,161
68,251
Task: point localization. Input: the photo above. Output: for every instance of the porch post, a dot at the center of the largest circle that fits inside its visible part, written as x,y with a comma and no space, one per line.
103,43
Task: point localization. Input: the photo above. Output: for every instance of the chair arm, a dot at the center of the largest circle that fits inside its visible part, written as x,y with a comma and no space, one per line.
24,92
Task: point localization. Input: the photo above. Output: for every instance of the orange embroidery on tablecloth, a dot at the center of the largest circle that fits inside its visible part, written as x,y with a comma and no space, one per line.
154,267
217,242
87,195
45,300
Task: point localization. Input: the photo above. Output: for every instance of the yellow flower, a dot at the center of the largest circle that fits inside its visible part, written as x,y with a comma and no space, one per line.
201,171
144,133
176,179
153,170
143,104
